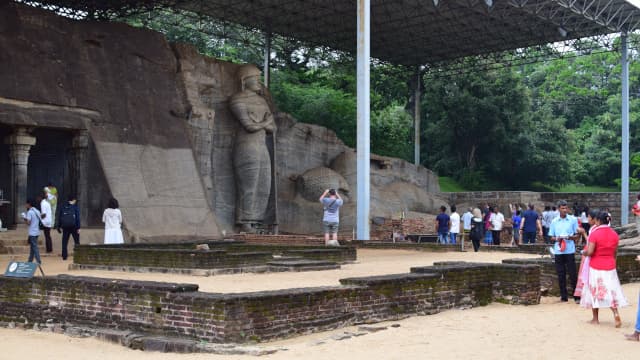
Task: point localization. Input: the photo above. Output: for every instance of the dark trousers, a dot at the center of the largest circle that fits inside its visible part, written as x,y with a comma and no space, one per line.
545,235
476,244
47,239
495,234
529,238
34,252
566,263
65,240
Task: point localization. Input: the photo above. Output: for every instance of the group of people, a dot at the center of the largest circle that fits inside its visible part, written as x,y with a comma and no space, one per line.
43,214
596,285
474,223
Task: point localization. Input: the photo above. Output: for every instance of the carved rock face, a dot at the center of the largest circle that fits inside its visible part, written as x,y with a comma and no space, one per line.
315,181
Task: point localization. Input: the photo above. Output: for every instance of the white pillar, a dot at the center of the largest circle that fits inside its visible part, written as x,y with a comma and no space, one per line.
624,213
416,118
363,161
267,59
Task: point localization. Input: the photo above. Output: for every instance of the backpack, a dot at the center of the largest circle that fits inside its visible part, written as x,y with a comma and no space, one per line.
67,216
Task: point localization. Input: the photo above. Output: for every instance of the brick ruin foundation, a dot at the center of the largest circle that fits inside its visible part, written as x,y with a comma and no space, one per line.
181,311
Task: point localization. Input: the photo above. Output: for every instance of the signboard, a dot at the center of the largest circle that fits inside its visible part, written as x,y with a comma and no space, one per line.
21,269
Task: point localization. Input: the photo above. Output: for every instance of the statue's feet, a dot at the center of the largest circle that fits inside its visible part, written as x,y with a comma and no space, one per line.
247,228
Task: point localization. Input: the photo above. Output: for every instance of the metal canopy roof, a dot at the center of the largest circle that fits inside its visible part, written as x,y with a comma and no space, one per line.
407,32
412,32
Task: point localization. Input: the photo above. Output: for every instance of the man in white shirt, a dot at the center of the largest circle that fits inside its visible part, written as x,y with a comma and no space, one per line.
497,221
46,215
455,225
466,222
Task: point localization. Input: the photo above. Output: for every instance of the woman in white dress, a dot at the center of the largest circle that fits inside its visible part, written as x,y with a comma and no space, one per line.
112,219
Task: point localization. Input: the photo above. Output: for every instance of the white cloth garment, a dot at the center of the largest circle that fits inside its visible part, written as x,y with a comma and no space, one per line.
112,219
455,223
45,209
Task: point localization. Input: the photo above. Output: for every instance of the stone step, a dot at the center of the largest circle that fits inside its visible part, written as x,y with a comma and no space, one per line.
303,265
15,249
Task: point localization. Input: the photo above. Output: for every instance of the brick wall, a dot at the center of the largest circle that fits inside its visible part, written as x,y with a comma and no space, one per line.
628,270
179,310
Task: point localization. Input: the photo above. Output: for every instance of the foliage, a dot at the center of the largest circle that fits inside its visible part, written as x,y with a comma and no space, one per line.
391,133
482,132
449,184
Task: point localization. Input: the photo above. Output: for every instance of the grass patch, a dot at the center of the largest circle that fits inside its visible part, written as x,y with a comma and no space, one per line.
448,184
572,188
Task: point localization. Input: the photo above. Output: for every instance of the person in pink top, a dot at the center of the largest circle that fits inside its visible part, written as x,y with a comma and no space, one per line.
602,288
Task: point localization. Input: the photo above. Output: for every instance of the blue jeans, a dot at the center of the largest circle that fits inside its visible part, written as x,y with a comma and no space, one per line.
453,237
488,238
442,237
33,249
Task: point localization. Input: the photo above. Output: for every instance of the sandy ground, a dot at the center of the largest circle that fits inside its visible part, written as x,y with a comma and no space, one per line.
551,330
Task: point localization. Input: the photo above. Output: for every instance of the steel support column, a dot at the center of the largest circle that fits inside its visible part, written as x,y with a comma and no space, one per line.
624,213
267,59
416,118
363,128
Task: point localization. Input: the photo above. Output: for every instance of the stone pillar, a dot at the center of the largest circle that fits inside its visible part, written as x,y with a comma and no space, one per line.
20,143
78,172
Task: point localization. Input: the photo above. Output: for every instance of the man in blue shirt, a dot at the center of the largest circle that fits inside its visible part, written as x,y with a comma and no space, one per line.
530,225
32,218
564,229
442,225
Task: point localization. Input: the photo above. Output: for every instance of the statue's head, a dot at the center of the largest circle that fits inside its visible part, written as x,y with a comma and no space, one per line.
249,77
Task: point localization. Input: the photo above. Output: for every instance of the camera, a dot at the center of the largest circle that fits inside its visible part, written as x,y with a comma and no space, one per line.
332,191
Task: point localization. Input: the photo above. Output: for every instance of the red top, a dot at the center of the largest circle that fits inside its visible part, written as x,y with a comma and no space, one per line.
606,241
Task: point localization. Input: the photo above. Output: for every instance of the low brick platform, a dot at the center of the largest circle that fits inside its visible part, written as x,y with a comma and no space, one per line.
180,311
221,258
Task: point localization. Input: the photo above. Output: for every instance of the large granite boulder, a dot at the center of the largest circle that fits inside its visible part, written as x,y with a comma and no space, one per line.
163,134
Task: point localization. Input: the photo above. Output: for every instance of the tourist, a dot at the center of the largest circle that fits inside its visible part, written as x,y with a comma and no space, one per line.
442,225
583,271
52,198
46,216
466,223
331,202
32,218
530,225
564,231
497,222
112,219
584,221
487,226
636,333
545,220
516,219
486,210
636,213
69,222
477,229
454,230
554,212
604,290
